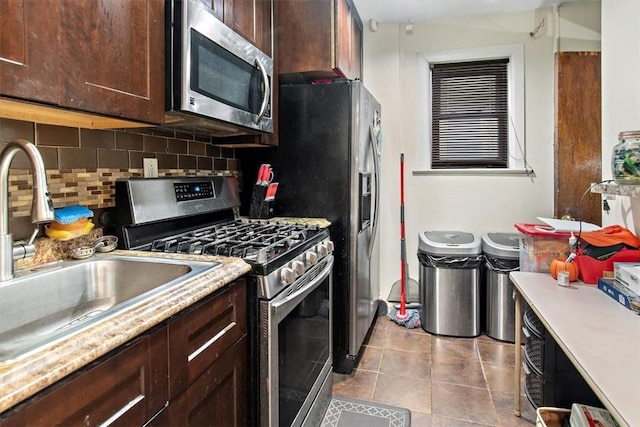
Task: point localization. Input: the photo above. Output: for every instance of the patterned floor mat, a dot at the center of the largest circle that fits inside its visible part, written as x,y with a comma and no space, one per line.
357,413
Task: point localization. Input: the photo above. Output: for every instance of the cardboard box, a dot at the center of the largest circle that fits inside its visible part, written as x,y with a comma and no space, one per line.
620,293
539,245
628,274
547,416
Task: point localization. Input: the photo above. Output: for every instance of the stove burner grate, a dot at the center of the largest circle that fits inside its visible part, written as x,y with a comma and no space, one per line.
254,242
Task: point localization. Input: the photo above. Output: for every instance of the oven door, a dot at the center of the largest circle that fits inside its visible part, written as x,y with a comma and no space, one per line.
296,349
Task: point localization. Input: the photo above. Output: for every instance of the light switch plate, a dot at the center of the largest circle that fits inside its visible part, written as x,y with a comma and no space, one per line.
150,168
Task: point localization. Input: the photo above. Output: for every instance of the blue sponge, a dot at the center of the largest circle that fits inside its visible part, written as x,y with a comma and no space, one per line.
71,214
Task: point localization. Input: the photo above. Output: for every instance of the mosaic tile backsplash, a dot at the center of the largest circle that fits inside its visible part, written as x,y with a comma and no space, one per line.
82,165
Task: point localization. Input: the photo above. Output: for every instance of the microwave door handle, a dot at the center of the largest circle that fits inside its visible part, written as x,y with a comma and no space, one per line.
267,92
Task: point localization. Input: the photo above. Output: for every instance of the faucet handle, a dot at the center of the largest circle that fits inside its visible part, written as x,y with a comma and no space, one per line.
26,250
33,236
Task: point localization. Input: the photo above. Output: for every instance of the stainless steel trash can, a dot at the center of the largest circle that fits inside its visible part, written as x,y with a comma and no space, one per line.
449,281
502,255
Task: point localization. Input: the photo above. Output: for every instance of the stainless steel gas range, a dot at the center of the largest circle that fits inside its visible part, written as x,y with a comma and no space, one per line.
290,284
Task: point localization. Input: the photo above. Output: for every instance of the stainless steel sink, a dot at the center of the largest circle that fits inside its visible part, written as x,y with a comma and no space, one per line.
45,305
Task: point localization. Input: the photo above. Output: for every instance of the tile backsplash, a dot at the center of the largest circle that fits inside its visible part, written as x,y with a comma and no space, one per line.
82,165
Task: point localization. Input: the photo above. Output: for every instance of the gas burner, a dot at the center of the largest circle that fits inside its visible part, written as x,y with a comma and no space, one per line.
255,242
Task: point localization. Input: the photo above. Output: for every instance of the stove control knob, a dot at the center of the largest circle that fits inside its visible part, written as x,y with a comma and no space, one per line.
287,276
310,258
329,245
298,268
322,250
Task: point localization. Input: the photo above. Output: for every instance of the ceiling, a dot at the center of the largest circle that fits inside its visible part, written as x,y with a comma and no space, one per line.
406,11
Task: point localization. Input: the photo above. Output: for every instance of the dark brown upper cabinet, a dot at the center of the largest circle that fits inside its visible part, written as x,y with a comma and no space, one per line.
98,56
252,19
319,39
29,45
249,18
113,58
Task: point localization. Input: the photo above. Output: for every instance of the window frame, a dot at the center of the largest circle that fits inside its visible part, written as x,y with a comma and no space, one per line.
515,71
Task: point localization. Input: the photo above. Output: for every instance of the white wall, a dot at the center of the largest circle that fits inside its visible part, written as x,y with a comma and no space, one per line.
579,27
620,94
478,203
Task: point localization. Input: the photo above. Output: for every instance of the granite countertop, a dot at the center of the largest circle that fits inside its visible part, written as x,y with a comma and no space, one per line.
33,372
310,222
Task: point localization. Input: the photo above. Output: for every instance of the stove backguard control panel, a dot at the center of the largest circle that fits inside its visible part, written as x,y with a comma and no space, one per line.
142,201
194,191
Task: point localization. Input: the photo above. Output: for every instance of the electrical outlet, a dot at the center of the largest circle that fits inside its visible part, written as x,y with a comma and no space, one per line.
150,168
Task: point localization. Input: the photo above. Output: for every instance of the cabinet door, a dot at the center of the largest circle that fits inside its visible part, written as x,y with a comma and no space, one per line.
124,389
217,8
29,63
203,333
112,56
348,41
219,397
578,135
308,22
331,31
252,20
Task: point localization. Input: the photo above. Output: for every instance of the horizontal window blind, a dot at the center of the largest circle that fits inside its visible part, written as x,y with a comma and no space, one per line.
470,117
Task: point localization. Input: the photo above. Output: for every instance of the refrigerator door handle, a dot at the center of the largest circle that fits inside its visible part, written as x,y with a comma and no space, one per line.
373,137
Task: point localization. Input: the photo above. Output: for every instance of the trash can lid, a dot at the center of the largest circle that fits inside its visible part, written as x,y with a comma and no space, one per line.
449,243
505,245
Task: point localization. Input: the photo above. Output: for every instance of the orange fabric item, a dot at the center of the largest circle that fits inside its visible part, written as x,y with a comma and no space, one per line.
611,235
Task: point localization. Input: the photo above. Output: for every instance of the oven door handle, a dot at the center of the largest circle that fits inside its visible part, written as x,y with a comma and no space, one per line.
280,308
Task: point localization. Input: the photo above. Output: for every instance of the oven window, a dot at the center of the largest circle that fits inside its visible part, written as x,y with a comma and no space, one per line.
219,74
303,349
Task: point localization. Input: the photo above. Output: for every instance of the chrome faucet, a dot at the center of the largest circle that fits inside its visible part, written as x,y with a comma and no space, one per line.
41,210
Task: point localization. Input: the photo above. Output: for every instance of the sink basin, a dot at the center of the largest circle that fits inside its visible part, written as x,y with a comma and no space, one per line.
45,305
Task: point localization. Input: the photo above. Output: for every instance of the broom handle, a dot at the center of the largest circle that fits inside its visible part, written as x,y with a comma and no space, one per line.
403,249
403,281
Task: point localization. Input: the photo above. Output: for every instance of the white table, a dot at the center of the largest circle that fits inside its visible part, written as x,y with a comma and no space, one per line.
598,335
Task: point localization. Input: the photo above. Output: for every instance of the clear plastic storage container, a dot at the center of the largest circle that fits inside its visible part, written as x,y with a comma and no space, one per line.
625,161
539,245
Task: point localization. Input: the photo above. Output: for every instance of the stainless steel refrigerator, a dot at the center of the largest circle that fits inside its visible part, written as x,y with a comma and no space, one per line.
327,164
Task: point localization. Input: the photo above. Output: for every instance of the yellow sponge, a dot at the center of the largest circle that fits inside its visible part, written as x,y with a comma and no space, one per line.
84,228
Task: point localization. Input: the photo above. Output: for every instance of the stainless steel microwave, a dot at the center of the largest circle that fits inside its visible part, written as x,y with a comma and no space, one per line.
217,81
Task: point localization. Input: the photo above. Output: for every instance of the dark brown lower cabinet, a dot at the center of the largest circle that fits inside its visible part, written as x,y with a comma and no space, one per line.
219,397
203,333
126,388
191,370
209,362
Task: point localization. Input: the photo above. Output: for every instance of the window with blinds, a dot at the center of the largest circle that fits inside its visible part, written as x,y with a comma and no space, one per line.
470,115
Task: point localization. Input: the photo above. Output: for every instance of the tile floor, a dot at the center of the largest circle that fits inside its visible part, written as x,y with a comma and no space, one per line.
443,381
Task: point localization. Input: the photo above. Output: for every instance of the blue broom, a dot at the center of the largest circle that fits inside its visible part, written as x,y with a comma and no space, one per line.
404,317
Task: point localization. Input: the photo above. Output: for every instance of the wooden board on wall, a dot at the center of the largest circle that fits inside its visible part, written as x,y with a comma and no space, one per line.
577,135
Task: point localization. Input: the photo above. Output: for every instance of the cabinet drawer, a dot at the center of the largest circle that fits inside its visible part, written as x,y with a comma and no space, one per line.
124,389
199,336
219,396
